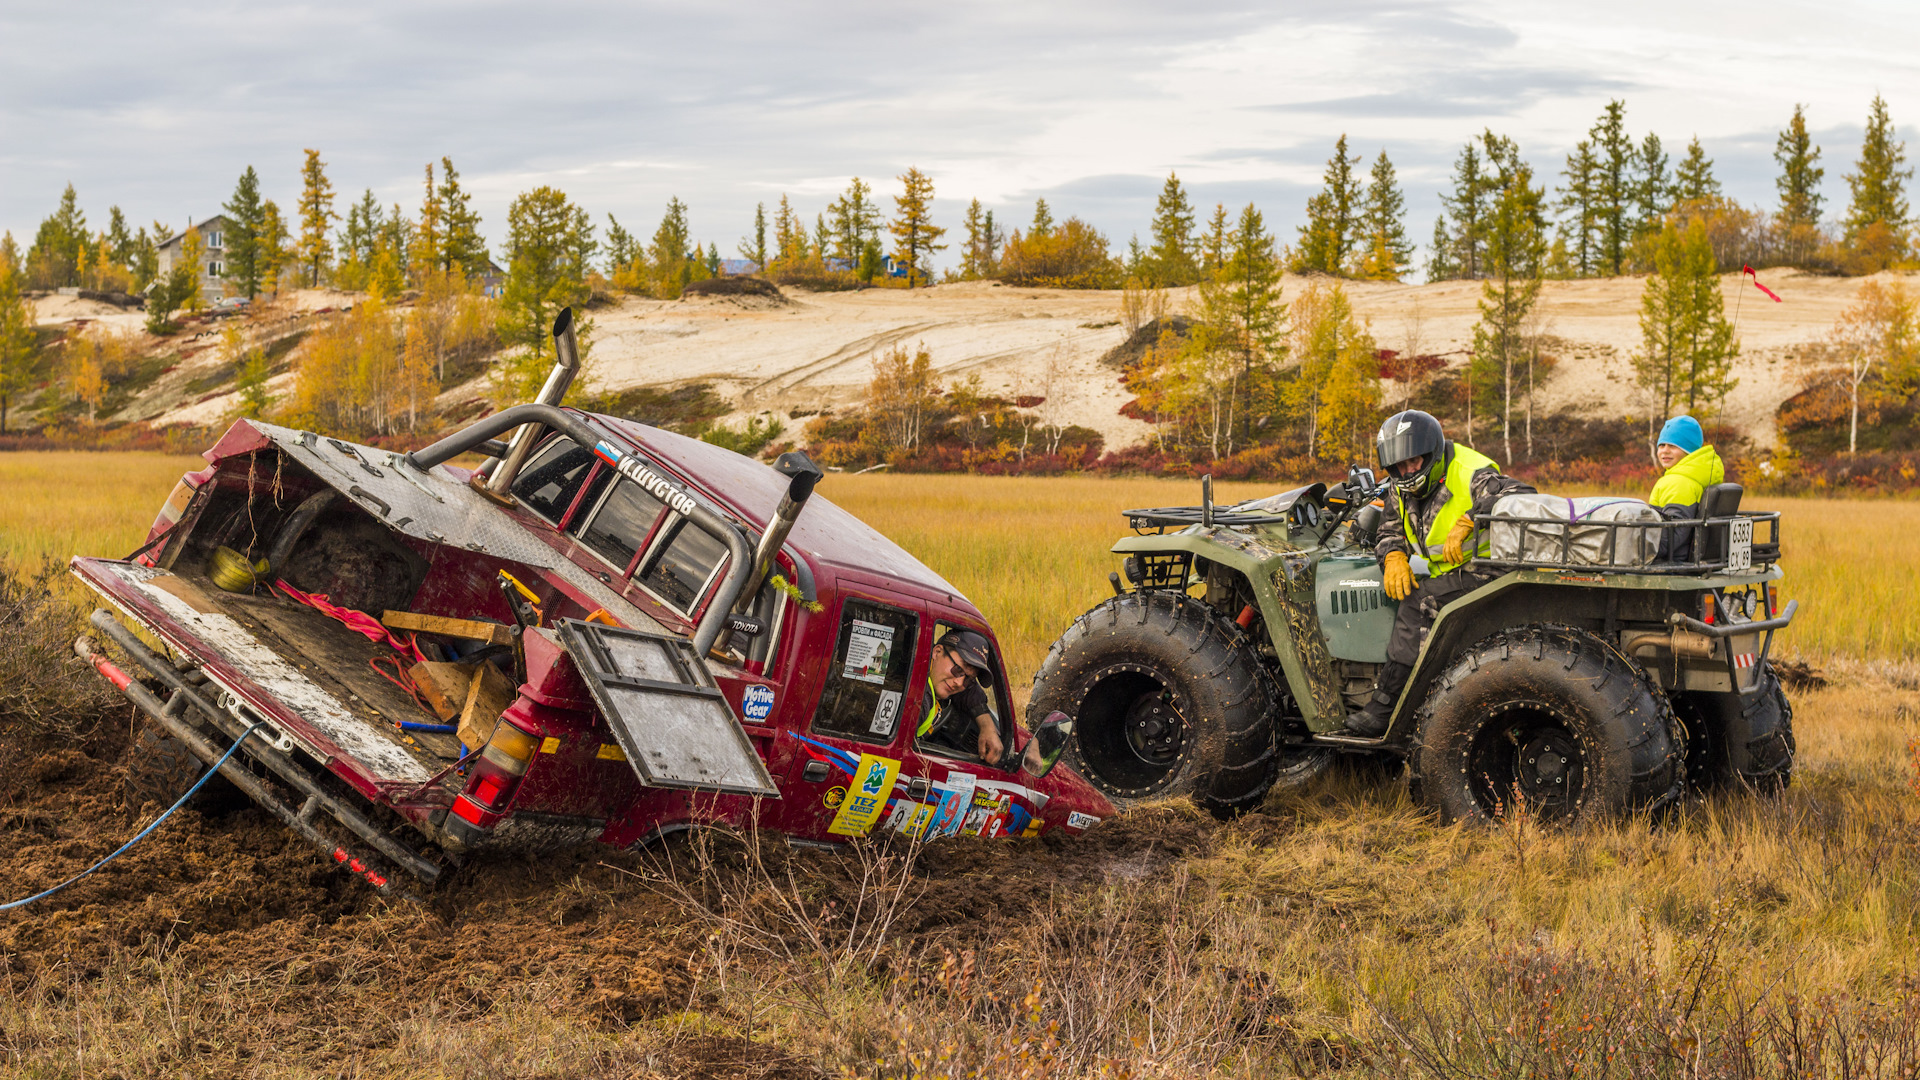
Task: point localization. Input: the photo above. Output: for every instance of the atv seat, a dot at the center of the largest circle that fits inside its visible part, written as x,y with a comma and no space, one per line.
1718,501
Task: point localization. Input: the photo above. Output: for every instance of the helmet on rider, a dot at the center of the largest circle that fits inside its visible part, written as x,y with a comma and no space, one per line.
1413,451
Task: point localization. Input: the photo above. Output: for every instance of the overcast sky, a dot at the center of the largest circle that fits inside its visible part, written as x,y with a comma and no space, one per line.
158,107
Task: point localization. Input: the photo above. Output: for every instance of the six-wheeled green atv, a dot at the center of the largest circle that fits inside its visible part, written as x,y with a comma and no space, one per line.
1588,678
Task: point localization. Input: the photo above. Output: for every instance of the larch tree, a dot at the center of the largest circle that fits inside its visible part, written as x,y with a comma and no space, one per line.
355,243
1466,207
244,215
1580,218
1328,238
462,245
1515,232
1386,252
1652,186
790,236
16,331
316,217
54,259
915,236
1213,242
1687,346
1169,261
1693,181
548,240
1243,321
1800,174
670,255
855,219
1440,264
119,239
430,236
1878,185
621,246
271,255
1042,226
752,248
1614,187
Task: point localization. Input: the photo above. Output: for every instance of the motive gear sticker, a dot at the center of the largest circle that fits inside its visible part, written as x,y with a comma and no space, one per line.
756,702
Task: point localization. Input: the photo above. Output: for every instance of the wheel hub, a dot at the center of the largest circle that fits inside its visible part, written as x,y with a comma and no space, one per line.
1549,765
1154,730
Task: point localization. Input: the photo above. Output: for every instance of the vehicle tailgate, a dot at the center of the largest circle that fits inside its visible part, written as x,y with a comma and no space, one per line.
177,612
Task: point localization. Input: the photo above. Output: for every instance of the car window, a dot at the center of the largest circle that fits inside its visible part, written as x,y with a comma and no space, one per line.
618,528
867,680
682,565
998,706
548,483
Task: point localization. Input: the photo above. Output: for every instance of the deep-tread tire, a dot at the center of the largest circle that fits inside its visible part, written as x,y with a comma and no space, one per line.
1213,736
1759,738
1553,717
160,769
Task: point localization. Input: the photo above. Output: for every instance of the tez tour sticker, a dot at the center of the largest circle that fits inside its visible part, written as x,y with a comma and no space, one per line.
756,703
873,781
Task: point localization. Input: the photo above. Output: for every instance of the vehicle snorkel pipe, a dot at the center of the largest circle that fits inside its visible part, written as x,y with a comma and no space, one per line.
566,364
802,475
740,560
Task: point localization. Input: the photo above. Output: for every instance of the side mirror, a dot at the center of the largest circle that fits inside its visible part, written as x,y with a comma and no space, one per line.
1048,744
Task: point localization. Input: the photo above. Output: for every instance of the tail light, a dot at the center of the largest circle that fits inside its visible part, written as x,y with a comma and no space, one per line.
1706,608
1773,600
497,773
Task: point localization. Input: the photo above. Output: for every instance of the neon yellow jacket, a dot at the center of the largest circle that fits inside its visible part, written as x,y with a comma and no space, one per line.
1689,478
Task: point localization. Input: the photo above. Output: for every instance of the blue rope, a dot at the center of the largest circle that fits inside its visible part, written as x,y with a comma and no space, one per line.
208,775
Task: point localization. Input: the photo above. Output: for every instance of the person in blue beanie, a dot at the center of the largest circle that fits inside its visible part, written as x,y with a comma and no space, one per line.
1691,462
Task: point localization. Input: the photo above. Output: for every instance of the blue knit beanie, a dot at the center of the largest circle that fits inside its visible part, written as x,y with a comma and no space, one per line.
1683,432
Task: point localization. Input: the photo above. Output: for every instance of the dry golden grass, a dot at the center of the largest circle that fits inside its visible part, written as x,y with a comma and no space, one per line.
1339,930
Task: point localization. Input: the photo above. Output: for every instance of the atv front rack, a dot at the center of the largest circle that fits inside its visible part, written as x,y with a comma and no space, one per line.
1733,543
1160,519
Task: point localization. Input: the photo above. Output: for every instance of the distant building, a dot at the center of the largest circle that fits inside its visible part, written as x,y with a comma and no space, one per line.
491,279
738,267
213,257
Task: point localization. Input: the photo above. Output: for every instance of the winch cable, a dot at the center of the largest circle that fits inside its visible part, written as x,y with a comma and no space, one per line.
208,775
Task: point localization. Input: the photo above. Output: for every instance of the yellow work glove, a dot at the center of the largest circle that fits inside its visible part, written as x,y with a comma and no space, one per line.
1396,576
1452,550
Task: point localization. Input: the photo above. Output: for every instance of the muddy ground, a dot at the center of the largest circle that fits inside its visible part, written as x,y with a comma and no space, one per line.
315,969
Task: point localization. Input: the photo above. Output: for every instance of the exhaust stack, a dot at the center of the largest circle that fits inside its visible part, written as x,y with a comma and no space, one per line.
802,475
566,364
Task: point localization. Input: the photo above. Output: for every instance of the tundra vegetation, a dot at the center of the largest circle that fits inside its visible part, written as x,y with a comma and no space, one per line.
1336,932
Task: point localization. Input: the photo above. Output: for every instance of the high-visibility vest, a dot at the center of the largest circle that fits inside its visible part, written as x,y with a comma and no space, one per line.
932,711
1466,461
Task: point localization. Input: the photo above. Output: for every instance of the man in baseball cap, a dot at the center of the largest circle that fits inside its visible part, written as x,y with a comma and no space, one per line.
956,711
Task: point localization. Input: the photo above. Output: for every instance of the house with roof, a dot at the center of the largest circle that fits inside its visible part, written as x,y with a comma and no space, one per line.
213,256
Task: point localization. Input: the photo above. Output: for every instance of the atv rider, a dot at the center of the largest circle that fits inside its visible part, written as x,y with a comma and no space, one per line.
1691,462
957,715
1438,488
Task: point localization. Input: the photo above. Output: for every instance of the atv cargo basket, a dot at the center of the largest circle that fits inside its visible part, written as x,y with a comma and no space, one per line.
1739,542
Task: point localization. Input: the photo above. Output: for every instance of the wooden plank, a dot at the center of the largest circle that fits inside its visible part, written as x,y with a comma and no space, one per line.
489,696
492,633
444,685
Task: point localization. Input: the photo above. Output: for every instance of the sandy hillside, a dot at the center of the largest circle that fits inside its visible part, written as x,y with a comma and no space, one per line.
815,351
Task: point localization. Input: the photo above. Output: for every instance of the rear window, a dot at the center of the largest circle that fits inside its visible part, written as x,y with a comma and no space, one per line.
619,526
548,483
683,566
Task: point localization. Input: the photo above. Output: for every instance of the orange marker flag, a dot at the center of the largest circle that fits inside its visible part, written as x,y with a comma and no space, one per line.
1748,270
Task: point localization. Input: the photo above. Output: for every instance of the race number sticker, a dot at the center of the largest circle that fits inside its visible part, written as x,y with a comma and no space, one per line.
886,713
873,781
756,702
869,648
956,794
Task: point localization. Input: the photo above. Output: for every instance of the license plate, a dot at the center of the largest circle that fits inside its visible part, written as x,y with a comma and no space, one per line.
1740,544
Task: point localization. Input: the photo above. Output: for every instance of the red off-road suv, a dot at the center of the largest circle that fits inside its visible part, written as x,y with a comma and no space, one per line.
606,632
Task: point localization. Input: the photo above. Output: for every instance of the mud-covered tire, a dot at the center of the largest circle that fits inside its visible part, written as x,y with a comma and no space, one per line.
160,769
1759,738
1168,699
1550,717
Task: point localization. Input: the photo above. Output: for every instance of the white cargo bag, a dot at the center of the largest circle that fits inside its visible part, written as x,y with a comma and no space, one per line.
1570,530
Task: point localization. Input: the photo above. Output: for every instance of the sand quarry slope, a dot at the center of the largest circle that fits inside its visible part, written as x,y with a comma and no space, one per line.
814,351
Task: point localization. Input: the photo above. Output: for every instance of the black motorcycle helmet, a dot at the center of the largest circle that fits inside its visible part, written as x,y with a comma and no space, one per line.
1404,439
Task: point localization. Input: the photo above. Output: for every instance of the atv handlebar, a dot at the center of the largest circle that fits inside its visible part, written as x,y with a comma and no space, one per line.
740,557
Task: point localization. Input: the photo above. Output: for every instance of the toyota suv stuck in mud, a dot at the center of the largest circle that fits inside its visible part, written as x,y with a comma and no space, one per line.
606,632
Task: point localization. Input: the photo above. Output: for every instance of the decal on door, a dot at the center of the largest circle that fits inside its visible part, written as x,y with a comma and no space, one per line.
873,781
756,702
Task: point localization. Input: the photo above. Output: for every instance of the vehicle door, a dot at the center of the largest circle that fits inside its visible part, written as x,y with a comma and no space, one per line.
852,760
968,795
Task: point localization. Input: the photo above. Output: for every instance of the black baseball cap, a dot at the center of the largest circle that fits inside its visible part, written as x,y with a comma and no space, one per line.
971,649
